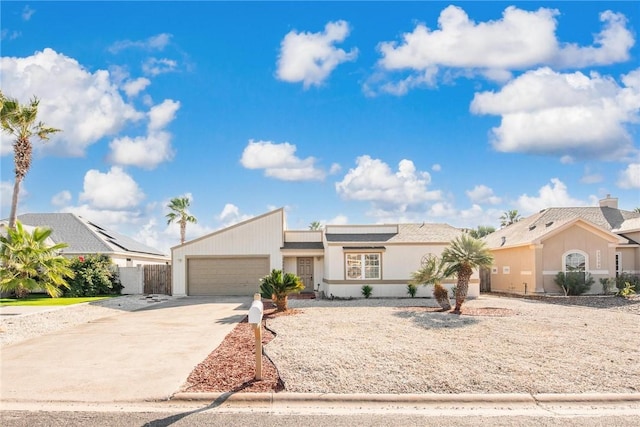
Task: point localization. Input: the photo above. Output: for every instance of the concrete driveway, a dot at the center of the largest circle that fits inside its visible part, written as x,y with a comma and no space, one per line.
144,355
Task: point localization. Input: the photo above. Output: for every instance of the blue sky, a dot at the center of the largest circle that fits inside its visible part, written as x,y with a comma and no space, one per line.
341,112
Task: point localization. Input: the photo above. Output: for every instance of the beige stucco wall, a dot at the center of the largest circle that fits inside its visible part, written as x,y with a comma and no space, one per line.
398,262
259,236
512,268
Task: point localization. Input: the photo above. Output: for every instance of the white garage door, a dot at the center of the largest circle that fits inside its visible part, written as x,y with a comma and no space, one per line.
226,275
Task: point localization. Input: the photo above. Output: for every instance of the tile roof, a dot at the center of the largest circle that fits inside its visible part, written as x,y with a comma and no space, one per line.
407,233
84,236
534,227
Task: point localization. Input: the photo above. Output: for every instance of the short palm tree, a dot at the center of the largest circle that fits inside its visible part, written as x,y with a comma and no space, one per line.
19,121
29,263
463,255
509,217
433,272
278,286
179,214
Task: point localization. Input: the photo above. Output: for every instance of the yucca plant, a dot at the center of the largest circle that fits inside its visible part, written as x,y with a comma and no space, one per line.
277,286
433,272
463,255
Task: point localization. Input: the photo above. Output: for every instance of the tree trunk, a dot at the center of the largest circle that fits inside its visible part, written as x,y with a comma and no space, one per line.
462,287
14,203
183,231
281,303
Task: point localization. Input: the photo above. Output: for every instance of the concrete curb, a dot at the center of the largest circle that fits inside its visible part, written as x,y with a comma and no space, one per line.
427,399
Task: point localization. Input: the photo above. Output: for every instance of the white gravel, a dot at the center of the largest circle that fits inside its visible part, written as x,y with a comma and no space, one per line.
388,346
15,328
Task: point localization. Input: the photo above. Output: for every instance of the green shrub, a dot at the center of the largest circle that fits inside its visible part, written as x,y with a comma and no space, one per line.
94,275
574,283
624,278
628,290
607,284
367,291
412,289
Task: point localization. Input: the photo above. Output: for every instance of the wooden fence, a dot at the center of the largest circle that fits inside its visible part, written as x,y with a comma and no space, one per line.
157,279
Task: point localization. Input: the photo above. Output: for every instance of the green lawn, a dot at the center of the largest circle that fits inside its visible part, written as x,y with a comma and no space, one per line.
39,300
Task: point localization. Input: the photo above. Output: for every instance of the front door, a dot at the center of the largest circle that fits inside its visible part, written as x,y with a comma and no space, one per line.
305,273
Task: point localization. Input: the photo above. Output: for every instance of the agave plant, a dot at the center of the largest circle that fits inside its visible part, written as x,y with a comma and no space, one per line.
278,286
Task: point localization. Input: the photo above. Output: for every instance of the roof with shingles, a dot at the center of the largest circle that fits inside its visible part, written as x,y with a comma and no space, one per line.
303,245
536,226
407,233
84,236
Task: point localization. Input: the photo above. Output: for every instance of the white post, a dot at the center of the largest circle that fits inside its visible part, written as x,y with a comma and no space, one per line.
255,318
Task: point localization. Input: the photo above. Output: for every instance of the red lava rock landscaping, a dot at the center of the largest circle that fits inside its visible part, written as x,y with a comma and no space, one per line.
231,366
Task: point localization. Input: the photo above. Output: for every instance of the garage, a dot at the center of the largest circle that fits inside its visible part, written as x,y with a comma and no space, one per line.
221,276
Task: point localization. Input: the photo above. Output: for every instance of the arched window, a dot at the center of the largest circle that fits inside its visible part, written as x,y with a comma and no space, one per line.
575,262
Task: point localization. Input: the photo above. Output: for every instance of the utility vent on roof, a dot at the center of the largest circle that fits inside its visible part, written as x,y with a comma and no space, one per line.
549,224
531,227
504,239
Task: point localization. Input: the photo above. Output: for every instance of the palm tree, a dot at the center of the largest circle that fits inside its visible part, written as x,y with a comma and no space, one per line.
29,263
179,213
277,286
19,121
433,272
481,231
315,225
463,255
509,217
636,210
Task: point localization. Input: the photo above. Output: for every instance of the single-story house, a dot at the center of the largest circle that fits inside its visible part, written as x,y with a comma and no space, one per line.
87,238
336,261
603,241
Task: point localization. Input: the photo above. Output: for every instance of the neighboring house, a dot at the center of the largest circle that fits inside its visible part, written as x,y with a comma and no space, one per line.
336,261
87,238
603,241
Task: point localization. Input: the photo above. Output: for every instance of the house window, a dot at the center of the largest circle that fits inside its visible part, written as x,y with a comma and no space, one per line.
575,262
618,263
363,266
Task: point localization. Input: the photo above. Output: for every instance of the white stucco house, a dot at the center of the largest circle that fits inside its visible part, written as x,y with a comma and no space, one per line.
336,261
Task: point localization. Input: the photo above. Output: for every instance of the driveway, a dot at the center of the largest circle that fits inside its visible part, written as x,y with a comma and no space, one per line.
144,355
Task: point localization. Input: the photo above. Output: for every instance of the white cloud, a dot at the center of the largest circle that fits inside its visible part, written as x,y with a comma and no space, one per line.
630,177
310,57
520,40
553,195
62,198
155,66
85,105
162,114
134,87
7,34
27,13
279,161
157,42
389,192
483,195
114,190
591,177
436,167
571,115
337,220
6,192
231,215
143,151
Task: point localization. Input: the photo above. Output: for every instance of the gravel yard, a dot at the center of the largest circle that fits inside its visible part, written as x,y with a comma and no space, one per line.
507,345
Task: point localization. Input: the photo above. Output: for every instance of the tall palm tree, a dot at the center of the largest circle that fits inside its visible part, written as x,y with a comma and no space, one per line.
463,255
19,121
509,217
315,225
481,231
179,214
28,262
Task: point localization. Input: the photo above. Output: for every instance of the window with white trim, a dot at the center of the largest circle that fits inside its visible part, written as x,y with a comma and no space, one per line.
363,266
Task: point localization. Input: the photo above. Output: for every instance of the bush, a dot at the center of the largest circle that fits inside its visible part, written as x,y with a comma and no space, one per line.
574,283
607,284
624,278
367,291
94,275
627,291
412,289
